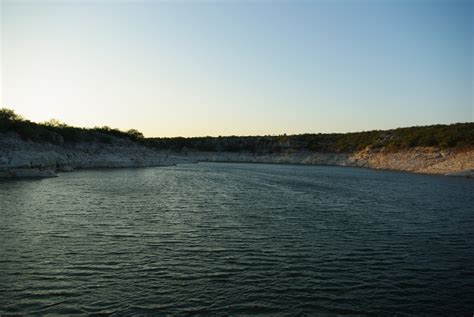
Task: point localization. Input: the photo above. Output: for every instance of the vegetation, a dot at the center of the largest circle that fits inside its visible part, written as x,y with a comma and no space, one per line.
457,135
443,136
53,131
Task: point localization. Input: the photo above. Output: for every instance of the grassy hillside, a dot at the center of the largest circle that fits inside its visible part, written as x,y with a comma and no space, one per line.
457,135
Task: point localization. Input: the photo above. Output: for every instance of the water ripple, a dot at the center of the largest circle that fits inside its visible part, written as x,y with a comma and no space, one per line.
237,239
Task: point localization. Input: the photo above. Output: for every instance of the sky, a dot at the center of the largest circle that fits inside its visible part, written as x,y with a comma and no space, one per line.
197,68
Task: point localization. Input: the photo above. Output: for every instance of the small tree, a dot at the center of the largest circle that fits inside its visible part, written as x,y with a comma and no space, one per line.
9,115
135,134
55,123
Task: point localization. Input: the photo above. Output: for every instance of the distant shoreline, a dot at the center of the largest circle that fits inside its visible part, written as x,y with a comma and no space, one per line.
26,159
29,149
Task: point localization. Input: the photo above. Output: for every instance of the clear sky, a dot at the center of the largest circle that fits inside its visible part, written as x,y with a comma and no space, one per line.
239,67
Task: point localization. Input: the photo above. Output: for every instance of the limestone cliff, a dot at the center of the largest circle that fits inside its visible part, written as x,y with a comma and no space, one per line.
427,160
22,158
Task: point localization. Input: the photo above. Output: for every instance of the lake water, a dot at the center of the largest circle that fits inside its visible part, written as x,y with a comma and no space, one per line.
230,239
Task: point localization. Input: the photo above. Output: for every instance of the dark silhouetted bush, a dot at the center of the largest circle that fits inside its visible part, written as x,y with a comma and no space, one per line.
54,131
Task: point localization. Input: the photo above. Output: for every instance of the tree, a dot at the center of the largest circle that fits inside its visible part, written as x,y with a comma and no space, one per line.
9,115
55,123
135,134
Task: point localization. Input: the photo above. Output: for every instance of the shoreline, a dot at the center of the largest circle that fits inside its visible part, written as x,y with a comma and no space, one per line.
429,161
27,159
468,174
52,172
57,173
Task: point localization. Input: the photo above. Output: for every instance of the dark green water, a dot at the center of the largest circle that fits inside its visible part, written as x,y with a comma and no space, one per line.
238,239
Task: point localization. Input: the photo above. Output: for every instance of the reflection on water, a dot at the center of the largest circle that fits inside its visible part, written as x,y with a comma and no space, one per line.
237,239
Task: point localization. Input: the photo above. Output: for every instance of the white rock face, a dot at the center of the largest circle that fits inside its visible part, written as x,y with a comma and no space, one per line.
418,160
20,158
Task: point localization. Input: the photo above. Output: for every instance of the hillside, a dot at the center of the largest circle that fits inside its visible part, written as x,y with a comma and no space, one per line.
451,136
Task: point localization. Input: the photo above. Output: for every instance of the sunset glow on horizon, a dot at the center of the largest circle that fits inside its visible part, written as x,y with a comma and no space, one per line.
238,68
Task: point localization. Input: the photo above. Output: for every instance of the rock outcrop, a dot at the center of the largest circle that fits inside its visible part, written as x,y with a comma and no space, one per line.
20,158
426,160
418,160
